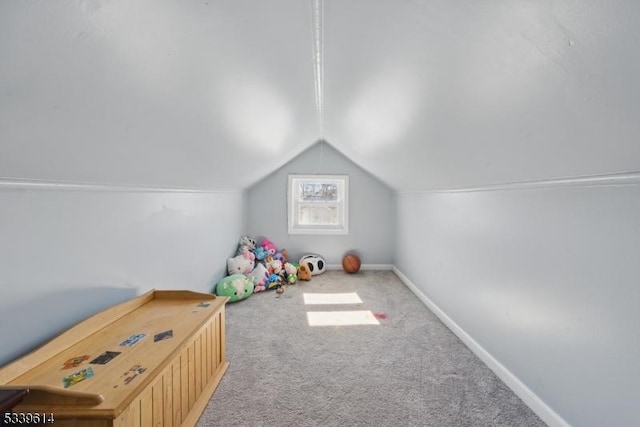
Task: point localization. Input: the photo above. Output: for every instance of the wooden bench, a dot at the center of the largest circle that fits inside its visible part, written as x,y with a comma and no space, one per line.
152,361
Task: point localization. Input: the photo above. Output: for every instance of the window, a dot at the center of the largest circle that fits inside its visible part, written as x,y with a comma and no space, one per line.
318,204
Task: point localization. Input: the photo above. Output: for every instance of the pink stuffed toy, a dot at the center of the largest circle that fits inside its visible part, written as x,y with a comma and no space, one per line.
268,247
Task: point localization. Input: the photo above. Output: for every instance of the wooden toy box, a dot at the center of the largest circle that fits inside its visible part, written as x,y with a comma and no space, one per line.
152,361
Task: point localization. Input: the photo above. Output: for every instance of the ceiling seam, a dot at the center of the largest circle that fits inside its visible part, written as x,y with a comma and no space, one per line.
586,181
29,184
317,20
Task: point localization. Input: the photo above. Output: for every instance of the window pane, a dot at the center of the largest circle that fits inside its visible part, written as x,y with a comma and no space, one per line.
317,192
318,204
318,215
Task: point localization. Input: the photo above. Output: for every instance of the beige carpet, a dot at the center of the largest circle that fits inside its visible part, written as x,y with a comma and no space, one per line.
408,370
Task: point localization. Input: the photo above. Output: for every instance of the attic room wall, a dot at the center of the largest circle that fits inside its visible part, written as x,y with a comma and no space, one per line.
544,279
434,95
66,254
371,210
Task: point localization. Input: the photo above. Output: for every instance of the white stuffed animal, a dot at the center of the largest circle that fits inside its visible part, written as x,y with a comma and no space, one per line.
260,274
241,264
316,263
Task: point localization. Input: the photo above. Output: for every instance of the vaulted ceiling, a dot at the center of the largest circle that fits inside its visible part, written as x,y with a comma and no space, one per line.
215,94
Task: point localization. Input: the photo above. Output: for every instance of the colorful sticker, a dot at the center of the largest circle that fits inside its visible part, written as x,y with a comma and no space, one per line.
132,373
105,358
204,304
74,362
163,335
77,377
133,340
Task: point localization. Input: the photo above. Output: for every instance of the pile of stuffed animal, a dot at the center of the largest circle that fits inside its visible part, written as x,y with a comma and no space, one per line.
259,267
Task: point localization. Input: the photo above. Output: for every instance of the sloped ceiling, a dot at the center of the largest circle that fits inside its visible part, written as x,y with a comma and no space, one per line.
197,94
216,94
446,94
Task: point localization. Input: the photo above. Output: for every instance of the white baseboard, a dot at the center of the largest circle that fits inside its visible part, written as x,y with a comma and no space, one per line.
536,404
378,267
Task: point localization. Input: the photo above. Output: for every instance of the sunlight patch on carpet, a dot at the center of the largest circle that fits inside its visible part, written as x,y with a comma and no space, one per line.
342,298
341,318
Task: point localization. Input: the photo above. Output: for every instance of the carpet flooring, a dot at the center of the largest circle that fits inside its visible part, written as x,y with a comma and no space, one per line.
410,370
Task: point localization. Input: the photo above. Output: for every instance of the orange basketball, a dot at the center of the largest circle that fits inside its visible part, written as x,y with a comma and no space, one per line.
351,263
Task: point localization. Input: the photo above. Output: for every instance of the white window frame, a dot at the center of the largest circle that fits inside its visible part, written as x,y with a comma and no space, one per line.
342,203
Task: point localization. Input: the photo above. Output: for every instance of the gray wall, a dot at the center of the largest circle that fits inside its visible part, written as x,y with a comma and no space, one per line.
371,210
545,279
64,255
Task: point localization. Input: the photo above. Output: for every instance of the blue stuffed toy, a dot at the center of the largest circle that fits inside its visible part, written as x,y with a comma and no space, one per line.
260,253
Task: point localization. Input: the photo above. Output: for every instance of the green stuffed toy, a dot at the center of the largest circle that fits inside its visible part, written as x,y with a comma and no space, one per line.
237,287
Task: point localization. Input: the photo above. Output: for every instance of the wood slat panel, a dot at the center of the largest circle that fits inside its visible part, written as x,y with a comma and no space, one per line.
198,365
219,337
203,357
167,397
177,392
146,408
184,386
214,346
157,391
194,415
125,419
191,373
136,413
206,364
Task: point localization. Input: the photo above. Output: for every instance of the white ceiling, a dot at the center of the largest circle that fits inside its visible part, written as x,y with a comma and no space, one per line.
216,94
